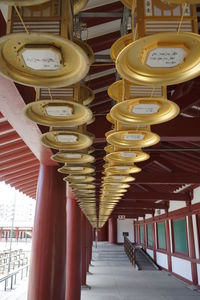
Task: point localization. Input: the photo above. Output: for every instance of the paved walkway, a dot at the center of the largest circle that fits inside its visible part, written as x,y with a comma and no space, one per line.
113,278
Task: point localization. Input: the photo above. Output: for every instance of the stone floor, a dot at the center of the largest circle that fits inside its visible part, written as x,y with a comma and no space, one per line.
116,279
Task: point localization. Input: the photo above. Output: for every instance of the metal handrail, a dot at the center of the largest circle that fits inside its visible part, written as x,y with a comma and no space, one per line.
13,277
129,249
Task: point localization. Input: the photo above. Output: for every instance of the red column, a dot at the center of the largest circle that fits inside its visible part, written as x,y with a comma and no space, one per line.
88,244
103,233
47,272
83,250
73,276
1,233
112,230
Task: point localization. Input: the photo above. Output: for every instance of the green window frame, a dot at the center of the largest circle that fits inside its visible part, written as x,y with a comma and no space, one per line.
161,236
179,231
150,235
141,234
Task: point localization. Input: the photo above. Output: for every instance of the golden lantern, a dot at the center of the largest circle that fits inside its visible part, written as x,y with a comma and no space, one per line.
81,169
122,169
66,140
145,111
118,178
73,157
58,113
82,186
133,139
79,178
162,59
124,90
121,155
42,60
120,44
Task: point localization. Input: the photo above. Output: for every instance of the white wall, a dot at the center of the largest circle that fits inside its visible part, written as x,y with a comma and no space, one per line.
162,260
125,226
196,197
182,267
198,272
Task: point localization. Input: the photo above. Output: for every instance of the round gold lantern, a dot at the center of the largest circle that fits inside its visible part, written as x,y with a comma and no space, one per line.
161,59
79,178
116,185
118,178
73,157
42,60
145,111
133,139
122,169
66,140
120,44
78,170
82,186
126,156
58,113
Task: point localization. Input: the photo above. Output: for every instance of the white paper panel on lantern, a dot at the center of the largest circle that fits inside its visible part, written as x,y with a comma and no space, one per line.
58,111
42,59
165,57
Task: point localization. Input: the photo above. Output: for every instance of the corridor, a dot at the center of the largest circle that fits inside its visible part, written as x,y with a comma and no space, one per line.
113,278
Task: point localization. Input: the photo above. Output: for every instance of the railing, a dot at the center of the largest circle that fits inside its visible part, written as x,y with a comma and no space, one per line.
129,249
13,277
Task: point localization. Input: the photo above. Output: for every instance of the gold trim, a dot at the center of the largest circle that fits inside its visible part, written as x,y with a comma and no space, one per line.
62,158
36,111
67,170
79,179
115,170
123,111
137,70
24,2
120,44
118,139
114,178
50,139
74,64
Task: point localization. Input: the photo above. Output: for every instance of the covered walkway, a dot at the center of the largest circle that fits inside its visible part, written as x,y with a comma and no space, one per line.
113,278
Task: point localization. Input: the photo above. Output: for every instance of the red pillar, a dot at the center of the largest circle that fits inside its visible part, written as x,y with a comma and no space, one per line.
1,233
112,230
103,233
88,244
83,250
73,275
47,272
154,238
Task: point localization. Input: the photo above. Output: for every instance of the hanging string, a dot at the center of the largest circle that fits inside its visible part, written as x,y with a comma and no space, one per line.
182,16
22,21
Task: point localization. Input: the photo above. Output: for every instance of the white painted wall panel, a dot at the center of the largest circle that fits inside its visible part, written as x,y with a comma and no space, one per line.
198,272
182,267
161,260
196,193
125,226
150,252
176,205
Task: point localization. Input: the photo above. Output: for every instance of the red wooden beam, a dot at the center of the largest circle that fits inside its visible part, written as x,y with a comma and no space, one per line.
22,172
12,105
21,178
177,178
140,204
12,146
15,154
27,179
18,161
22,167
